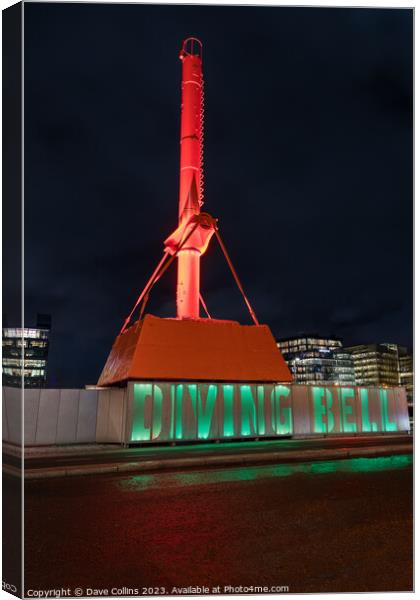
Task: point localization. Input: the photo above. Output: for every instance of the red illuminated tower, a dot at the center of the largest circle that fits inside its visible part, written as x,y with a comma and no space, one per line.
189,347
191,175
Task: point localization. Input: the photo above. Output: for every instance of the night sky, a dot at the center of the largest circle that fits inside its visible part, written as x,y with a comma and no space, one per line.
308,166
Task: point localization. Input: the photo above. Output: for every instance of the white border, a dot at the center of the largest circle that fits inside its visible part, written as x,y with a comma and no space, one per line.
321,3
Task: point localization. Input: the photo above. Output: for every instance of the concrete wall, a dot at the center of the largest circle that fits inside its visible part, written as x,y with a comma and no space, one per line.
163,411
111,424
50,416
12,415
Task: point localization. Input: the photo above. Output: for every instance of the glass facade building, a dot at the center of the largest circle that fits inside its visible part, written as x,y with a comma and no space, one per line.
25,351
376,364
406,373
313,359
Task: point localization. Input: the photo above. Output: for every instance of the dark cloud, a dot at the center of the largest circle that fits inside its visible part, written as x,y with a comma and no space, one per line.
308,150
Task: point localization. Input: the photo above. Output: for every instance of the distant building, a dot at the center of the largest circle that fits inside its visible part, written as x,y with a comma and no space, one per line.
26,350
314,359
376,364
406,371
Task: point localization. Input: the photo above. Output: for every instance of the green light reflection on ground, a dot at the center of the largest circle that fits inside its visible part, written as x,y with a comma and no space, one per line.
227,475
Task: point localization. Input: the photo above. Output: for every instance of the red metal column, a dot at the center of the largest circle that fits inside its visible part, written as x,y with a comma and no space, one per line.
191,175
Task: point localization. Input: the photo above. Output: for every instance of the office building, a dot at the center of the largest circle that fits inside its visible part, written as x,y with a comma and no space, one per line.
406,371
25,352
313,359
375,364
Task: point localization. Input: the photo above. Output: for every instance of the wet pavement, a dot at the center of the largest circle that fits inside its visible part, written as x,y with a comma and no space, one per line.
315,527
62,456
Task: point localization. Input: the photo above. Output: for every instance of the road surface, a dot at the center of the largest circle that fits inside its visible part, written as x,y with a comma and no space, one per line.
336,526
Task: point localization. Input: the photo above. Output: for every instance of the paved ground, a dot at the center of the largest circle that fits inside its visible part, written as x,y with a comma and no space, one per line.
322,526
59,457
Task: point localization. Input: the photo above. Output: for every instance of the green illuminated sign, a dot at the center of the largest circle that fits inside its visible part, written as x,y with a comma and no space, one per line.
387,424
281,413
164,411
323,416
347,398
